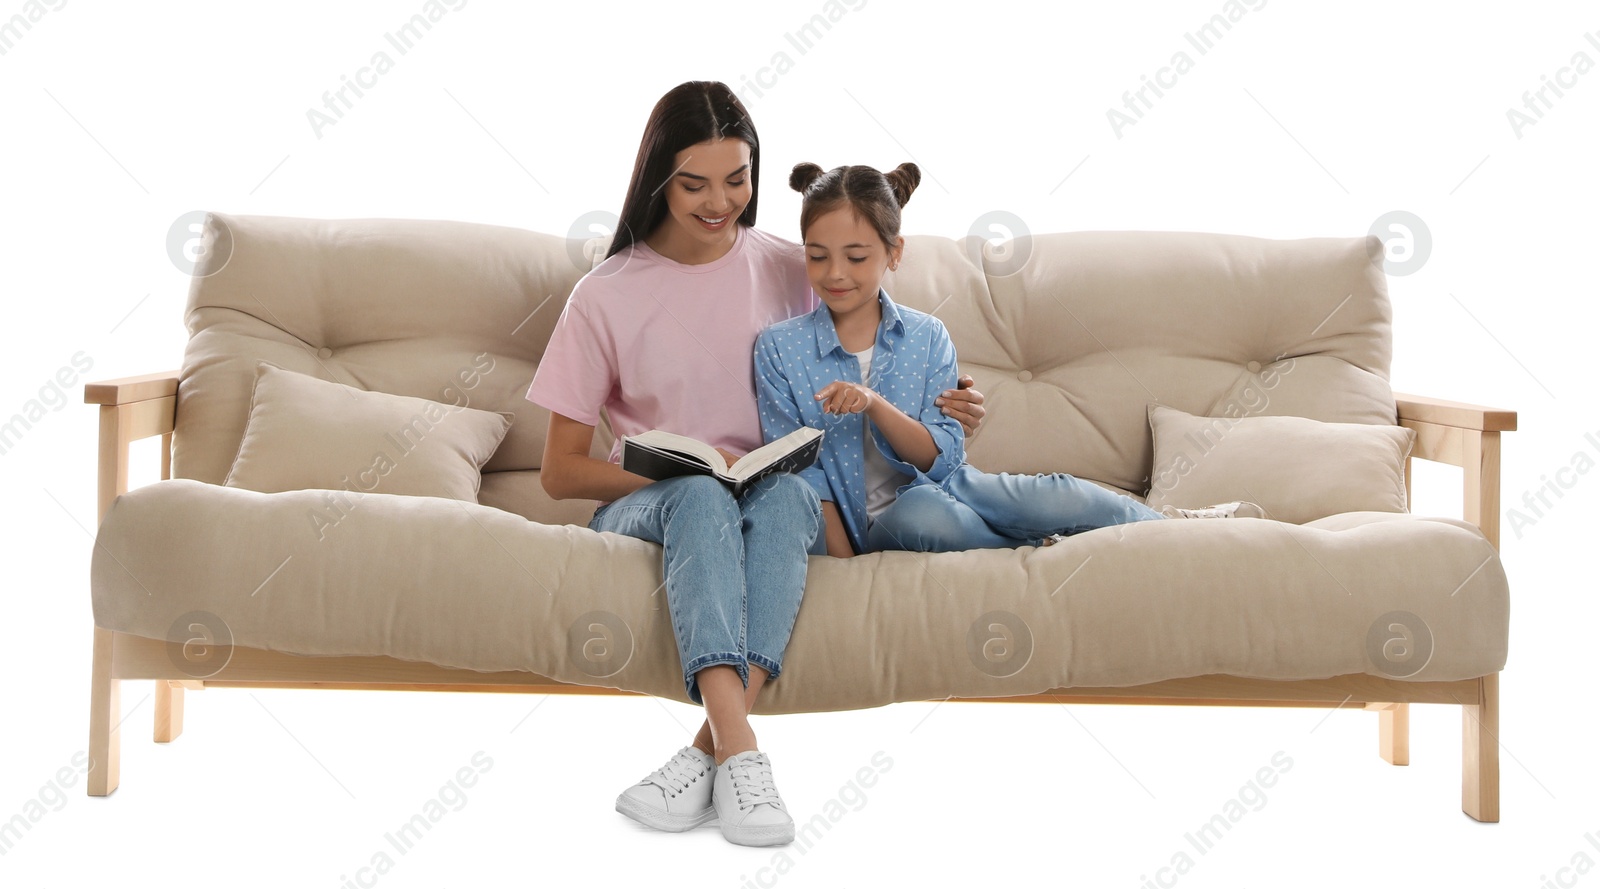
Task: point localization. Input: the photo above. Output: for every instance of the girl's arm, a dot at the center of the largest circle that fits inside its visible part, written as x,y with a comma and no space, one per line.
950,445
568,472
780,415
932,442
779,411
909,438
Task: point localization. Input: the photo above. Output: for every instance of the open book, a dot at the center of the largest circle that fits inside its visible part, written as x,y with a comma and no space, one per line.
660,455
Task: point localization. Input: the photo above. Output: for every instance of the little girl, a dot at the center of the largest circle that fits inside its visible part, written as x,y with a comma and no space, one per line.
867,371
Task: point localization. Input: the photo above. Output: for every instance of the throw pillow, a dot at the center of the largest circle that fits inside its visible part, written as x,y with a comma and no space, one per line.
304,432
1297,469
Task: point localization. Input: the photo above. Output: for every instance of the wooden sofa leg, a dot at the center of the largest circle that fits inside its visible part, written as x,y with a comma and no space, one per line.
1480,752
169,711
105,713
1394,734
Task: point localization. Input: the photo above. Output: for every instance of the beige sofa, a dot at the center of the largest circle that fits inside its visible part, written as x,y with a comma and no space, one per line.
1072,337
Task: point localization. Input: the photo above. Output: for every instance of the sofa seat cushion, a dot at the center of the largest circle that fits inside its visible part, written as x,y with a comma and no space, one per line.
466,585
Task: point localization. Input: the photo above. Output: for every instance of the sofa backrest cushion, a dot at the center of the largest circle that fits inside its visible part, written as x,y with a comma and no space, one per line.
1070,336
455,312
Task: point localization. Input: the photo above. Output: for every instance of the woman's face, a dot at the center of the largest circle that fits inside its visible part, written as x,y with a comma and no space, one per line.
707,191
845,261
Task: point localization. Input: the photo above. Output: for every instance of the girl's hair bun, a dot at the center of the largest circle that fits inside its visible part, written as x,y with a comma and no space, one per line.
903,180
803,176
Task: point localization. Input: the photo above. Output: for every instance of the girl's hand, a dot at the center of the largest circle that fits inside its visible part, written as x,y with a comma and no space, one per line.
840,397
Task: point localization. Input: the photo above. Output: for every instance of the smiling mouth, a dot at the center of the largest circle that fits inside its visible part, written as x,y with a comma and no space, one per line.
712,222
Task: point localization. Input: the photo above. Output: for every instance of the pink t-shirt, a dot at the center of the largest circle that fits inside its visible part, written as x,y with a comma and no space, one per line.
664,345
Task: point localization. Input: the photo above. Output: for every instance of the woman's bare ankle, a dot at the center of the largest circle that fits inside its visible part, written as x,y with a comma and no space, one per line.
732,747
726,713
702,741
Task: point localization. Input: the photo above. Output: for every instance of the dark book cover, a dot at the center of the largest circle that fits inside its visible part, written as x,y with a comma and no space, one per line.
659,464
663,463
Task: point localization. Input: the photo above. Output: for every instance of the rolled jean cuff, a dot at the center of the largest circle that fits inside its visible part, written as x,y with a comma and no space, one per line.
731,658
771,666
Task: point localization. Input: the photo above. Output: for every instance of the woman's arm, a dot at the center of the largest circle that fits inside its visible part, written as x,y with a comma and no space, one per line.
568,472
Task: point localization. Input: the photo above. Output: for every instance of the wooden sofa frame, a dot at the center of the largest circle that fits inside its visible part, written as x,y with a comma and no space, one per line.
1449,432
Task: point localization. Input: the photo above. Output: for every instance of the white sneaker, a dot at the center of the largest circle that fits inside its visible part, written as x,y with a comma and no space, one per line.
747,803
675,797
1238,509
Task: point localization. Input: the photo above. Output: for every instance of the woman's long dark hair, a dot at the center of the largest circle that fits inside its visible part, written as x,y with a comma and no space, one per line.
690,113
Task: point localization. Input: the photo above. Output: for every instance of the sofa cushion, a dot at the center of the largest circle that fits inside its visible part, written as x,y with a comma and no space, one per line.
1114,607
1072,334
520,491
1294,468
455,312
304,432
1069,337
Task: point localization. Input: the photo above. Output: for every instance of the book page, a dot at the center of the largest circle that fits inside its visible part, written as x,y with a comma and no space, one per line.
683,444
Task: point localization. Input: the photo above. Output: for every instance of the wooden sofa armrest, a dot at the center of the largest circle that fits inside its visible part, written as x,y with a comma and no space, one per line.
131,408
1464,435
129,389
1443,412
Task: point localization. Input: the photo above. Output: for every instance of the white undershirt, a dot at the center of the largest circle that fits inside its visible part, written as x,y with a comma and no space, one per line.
882,479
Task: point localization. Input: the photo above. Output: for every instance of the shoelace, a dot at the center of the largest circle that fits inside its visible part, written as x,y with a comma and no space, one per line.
752,783
679,772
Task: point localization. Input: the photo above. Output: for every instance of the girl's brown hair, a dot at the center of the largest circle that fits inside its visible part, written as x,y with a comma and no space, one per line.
874,196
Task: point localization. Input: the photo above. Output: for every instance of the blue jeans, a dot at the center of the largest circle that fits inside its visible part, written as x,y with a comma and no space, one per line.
735,567
980,510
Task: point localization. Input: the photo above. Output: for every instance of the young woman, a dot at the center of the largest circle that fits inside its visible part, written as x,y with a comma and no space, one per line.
891,474
659,335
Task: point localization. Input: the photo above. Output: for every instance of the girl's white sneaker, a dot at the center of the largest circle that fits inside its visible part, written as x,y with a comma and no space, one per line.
1238,509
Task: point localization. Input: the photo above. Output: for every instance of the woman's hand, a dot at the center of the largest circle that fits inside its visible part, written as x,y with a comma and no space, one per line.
729,456
840,397
964,403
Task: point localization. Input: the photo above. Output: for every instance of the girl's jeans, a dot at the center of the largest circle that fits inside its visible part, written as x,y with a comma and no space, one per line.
735,567
979,510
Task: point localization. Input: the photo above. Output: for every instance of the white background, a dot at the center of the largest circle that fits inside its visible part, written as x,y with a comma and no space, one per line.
1304,120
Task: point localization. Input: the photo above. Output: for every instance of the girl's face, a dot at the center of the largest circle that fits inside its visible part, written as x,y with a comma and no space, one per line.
706,193
845,261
